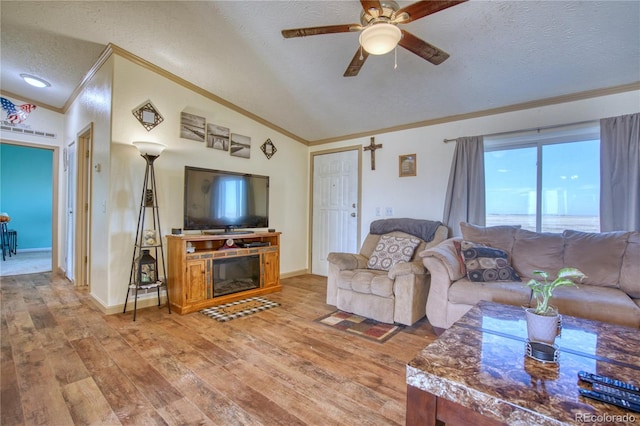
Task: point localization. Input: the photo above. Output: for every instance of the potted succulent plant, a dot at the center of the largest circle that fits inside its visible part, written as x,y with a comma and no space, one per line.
542,319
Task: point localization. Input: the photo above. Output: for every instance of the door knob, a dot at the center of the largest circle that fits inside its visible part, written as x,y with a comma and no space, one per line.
353,215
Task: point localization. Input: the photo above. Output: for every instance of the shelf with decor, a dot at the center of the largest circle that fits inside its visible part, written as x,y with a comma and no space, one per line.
148,249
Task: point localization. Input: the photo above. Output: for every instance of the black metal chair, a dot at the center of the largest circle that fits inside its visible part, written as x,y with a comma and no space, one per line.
4,240
13,241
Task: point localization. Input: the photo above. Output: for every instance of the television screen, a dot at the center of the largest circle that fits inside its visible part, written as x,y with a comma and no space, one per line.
215,199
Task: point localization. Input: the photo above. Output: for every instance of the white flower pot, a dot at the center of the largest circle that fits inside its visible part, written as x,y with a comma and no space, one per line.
541,328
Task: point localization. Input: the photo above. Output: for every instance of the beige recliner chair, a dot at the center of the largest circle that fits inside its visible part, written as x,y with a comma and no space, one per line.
387,280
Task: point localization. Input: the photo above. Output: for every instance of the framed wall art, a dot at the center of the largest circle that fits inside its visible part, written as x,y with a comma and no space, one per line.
218,137
407,165
240,146
192,127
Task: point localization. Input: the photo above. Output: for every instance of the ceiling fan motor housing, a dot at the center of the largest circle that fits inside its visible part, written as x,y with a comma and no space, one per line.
389,8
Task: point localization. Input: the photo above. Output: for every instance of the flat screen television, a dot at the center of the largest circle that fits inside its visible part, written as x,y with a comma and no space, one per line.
216,199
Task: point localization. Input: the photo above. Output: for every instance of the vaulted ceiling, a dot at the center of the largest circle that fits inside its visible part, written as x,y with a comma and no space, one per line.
502,53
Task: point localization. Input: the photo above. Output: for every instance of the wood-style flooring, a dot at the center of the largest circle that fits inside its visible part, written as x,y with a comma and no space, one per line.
63,362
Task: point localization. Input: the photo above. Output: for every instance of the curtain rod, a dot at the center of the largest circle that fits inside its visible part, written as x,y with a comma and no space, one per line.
532,129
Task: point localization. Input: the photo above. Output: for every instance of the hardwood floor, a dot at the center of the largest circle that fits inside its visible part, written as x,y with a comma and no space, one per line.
63,362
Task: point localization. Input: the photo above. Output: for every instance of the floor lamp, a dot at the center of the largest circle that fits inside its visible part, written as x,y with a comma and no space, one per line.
144,266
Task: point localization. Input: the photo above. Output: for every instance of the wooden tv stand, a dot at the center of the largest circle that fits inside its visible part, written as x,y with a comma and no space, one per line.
191,278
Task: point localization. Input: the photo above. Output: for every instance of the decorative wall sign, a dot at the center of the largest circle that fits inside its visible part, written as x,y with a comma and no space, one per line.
268,148
240,146
148,115
16,114
407,165
218,137
192,127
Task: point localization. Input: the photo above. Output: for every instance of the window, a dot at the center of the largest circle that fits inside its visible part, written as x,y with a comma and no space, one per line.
546,181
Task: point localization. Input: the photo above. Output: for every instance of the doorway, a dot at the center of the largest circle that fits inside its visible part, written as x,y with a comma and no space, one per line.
78,248
335,209
30,197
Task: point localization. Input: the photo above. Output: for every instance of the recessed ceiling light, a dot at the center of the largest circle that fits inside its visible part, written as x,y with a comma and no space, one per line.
35,81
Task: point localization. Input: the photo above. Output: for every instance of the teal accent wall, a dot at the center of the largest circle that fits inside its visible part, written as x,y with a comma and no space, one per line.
26,193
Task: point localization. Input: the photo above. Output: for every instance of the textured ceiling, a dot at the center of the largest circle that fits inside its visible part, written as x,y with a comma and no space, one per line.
502,53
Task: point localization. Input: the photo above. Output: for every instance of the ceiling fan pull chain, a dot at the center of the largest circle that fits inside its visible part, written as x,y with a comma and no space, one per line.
361,57
395,54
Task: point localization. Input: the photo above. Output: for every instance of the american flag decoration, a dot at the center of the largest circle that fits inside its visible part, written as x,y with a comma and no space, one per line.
16,114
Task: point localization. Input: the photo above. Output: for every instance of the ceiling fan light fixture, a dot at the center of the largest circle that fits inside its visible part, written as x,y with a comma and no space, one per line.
380,38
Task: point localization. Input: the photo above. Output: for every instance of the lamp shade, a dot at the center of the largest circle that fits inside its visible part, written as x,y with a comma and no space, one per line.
149,148
380,38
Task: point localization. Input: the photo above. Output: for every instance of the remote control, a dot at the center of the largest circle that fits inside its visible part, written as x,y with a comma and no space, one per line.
610,400
595,378
618,393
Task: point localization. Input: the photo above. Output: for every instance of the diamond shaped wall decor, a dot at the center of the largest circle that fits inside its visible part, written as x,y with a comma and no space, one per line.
148,115
268,148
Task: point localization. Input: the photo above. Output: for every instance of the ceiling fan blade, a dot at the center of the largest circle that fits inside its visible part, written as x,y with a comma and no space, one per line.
367,5
422,48
356,63
329,29
424,8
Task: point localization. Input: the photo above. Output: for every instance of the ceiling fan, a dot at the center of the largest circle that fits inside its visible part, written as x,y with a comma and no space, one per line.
380,33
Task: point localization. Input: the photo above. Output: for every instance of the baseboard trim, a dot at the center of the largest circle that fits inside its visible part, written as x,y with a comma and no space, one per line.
31,250
145,301
295,273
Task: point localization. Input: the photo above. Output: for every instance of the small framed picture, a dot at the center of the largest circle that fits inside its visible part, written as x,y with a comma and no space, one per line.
217,137
240,145
407,165
192,127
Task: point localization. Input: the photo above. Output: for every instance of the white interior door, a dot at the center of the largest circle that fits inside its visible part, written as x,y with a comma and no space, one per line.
71,162
336,208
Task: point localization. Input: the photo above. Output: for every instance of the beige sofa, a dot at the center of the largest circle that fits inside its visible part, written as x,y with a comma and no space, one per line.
611,261
398,295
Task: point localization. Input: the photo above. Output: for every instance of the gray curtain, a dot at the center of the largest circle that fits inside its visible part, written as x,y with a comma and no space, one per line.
620,173
465,192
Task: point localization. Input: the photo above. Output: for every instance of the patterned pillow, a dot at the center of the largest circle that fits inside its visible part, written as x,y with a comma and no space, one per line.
391,250
486,264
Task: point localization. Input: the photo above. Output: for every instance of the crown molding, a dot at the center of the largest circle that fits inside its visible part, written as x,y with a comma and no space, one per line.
104,56
487,112
31,101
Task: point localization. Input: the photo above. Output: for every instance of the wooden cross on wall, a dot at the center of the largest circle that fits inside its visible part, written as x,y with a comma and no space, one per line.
372,147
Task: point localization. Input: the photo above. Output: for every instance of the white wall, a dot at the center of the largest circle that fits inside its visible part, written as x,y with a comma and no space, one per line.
423,196
93,106
288,169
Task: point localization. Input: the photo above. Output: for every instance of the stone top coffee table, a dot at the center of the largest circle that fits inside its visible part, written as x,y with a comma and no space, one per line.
477,372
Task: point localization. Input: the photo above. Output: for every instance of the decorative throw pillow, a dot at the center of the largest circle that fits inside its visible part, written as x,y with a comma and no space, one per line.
487,263
391,250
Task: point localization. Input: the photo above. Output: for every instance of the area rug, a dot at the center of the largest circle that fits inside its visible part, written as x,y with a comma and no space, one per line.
360,326
238,309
